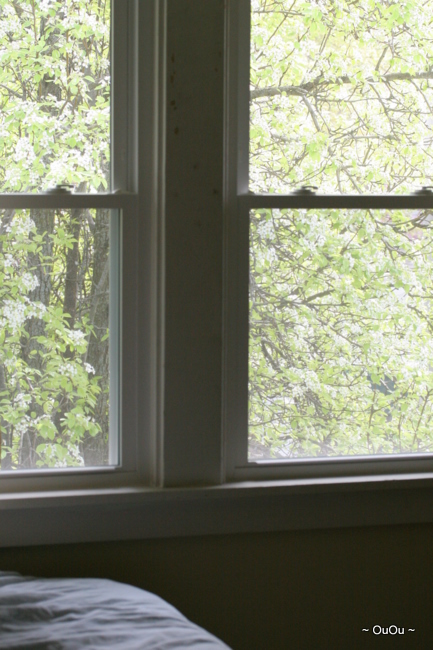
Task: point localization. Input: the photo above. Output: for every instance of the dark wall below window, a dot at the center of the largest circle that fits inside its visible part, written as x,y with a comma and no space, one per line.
272,591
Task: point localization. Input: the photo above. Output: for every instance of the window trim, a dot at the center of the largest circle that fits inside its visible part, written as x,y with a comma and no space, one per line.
264,506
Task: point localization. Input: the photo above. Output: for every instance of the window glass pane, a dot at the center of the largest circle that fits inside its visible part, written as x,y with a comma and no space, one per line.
341,321
54,94
54,331
341,95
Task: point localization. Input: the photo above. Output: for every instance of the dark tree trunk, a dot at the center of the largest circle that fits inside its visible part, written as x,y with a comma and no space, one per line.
72,265
5,430
95,449
70,299
5,434
40,265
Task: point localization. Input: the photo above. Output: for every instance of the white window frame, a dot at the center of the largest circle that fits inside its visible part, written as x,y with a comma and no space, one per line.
240,202
134,198
183,402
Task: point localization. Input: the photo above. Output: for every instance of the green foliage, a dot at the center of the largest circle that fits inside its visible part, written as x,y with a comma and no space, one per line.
54,94
341,346
54,128
341,354
51,391
341,95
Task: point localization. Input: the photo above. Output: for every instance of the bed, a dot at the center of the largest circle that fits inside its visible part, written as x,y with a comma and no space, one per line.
69,614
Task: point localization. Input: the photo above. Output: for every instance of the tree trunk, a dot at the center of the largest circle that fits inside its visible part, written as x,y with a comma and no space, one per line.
5,430
95,449
40,265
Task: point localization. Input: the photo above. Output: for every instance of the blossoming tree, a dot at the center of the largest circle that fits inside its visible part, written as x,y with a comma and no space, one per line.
341,351
54,128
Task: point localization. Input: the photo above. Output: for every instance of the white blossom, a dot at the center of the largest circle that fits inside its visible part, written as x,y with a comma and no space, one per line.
29,281
76,336
68,370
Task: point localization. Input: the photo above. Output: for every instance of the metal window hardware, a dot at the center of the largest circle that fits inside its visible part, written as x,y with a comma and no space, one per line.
306,189
426,189
61,188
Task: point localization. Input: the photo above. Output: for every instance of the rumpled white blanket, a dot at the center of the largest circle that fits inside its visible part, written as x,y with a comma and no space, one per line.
70,614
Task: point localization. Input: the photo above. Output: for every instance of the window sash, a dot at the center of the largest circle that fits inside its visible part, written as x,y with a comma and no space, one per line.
137,41
238,468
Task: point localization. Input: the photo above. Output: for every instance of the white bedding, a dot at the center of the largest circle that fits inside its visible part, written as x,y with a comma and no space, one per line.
69,614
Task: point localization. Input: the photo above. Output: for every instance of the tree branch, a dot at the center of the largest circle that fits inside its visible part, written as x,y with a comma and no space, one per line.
309,86
312,113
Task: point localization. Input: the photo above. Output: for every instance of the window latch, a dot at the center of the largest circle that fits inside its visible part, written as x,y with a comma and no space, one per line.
306,189
426,189
61,188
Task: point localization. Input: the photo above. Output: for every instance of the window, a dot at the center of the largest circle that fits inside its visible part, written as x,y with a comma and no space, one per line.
183,241
71,192
329,186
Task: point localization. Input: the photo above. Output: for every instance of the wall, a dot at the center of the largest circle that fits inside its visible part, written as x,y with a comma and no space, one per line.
301,590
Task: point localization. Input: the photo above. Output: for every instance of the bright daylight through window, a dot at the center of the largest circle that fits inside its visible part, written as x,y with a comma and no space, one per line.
55,263
340,313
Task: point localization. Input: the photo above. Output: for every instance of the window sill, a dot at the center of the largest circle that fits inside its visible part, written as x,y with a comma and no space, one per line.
97,515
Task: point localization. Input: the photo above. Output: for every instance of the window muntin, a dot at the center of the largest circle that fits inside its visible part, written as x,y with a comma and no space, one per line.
341,96
340,343
54,95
